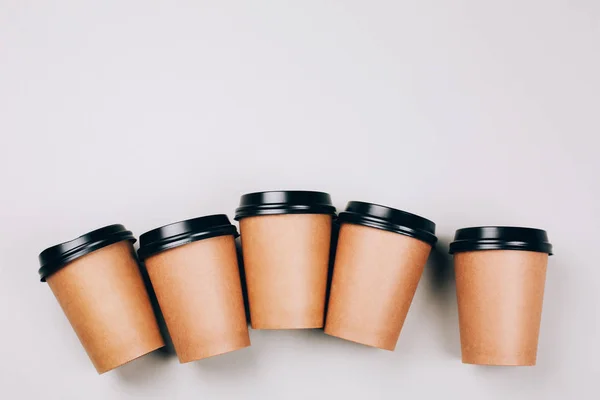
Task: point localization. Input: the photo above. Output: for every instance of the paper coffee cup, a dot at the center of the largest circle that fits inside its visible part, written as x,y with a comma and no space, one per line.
193,268
500,278
285,244
380,256
97,282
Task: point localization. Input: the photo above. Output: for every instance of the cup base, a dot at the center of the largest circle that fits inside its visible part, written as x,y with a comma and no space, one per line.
363,339
217,350
134,357
499,362
275,327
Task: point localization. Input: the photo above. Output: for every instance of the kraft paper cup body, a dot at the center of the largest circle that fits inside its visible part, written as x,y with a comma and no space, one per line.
194,271
500,279
102,293
380,256
285,243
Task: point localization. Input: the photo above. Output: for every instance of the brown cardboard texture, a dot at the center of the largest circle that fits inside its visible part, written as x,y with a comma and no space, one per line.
286,261
199,292
500,294
375,276
105,300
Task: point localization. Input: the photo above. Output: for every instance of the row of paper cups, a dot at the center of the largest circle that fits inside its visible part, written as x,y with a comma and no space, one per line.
288,242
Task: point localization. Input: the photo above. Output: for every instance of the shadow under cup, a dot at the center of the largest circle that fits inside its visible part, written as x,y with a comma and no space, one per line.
98,284
194,271
286,239
500,279
380,257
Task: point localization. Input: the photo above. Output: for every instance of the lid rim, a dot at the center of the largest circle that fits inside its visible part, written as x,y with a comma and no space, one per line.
480,246
154,248
180,233
55,258
390,219
500,238
276,202
380,223
391,209
274,209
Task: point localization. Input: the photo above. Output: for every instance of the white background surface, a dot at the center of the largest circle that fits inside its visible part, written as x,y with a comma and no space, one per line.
144,113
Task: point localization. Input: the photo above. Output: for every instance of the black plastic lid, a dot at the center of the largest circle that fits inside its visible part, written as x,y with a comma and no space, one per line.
284,202
500,238
389,219
56,257
184,232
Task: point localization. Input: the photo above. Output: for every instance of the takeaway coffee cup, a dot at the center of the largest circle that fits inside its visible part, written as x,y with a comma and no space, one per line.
285,243
500,278
97,282
194,271
380,256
